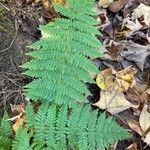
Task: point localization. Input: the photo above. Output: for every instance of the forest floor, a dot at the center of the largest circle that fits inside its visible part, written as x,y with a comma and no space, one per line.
125,34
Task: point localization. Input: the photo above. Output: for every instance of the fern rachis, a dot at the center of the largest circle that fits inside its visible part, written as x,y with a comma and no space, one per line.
61,57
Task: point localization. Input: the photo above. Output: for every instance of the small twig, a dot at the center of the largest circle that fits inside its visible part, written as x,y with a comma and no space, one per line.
4,6
12,42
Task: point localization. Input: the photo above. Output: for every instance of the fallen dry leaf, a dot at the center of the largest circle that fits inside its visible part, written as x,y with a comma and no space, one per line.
111,79
117,5
135,52
136,95
19,122
59,1
18,116
135,127
133,146
17,109
104,3
113,102
132,25
148,91
144,121
142,10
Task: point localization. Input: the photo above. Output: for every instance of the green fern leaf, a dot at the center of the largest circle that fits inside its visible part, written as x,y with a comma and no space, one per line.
22,140
5,133
5,143
57,127
61,58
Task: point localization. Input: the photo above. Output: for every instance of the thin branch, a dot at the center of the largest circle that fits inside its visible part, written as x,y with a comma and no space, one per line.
12,42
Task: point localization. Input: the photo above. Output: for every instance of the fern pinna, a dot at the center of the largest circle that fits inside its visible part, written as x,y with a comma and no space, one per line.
56,127
61,63
5,133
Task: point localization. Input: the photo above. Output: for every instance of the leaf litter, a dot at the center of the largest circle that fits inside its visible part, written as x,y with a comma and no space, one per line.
124,80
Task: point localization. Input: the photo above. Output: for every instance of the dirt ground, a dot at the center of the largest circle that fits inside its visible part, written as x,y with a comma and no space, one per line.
16,32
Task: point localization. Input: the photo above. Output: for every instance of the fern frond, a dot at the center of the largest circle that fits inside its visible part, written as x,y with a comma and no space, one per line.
22,140
78,126
29,113
5,133
5,126
61,58
5,143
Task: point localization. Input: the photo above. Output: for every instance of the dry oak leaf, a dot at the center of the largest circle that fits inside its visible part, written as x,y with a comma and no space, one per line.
135,52
111,79
144,121
142,10
113,101
117,5
104,3
132,25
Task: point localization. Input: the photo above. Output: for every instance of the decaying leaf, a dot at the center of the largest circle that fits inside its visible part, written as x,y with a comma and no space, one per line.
111,79
148,91
59,1
104,3
19,122
133,146
142,10
113,101
135,52
112,84
117,5
137,94
135,127
132,25
18,116
144,121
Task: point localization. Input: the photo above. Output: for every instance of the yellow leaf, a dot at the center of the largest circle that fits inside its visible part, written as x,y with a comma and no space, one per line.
59,1
46,4
105,80
111,79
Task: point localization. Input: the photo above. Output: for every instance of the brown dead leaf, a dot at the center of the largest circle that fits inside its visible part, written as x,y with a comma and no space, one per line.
148,91
142,10
104,3
135,52
132,25
136,95
117,5
113,102
144,121
135,126
17,109
133,146
19,122
18,116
